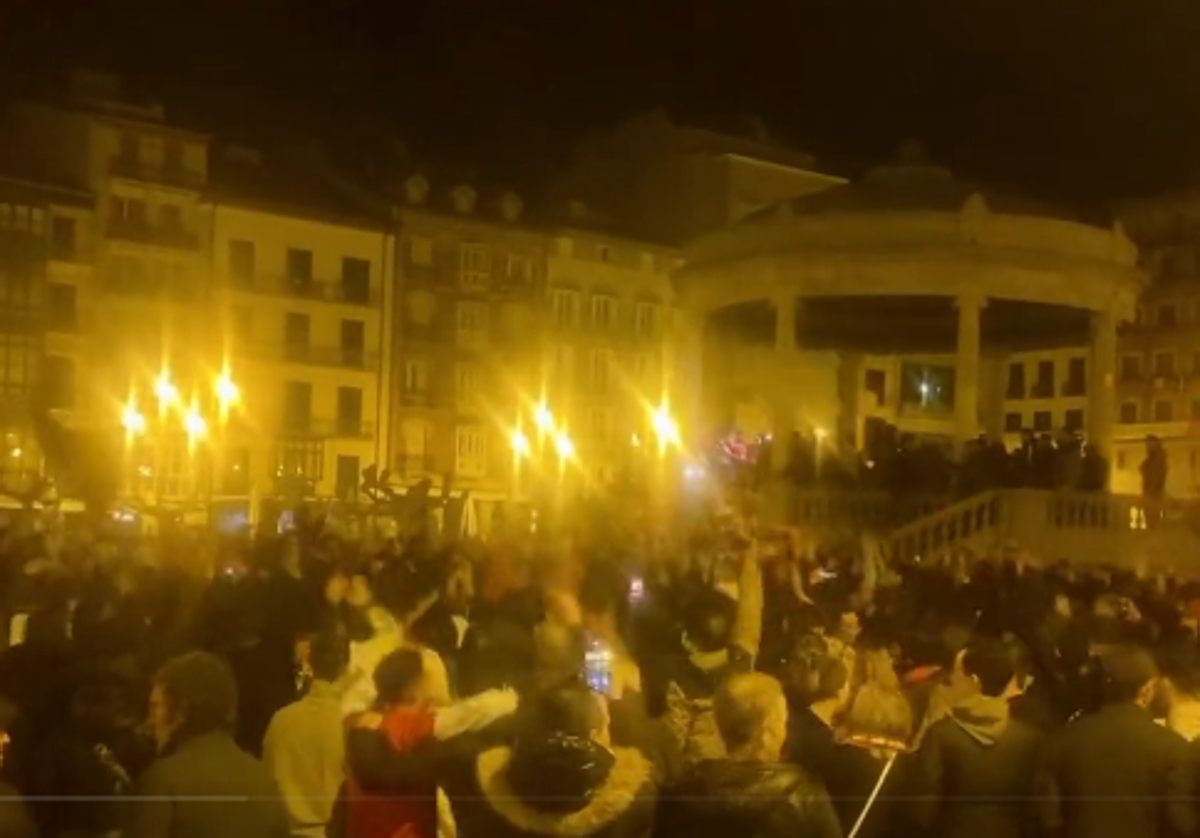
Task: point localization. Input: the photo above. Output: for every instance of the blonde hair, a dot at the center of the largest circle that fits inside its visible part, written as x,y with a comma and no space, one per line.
743,705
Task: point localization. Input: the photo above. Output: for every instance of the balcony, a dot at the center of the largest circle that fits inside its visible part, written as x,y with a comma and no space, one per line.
1042,390
143,232
1015,392
335,291
1074,389
311,427
317,356
160,174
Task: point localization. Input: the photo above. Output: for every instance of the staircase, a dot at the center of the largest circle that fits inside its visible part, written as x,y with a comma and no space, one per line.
1084,529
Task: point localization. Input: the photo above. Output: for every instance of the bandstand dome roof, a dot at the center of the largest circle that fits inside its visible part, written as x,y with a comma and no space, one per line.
912,229
912,184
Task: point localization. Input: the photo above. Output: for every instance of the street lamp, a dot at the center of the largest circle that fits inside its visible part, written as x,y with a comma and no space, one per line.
520,444
227,392
133,421
195,425
564,446
543,418
167,392
665,427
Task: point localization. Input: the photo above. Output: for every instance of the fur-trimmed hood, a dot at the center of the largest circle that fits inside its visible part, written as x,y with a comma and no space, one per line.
626,783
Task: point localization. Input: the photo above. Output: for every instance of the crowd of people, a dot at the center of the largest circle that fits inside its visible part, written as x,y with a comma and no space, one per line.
585,684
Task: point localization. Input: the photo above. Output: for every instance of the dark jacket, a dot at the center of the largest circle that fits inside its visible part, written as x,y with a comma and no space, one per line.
851,774
207,788
973,774
810,741
1116,773
723,798
14,817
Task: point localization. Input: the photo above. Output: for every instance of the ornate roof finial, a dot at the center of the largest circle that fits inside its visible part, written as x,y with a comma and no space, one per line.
912,153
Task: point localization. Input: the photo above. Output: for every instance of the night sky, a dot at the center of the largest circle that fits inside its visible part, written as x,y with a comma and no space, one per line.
1082,99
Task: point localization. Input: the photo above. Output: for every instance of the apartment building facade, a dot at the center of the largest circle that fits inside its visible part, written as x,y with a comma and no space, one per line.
465,338
608,364
303,283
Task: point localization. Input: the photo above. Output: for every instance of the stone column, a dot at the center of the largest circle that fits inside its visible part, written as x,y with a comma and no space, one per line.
1102,381
782,399
966,373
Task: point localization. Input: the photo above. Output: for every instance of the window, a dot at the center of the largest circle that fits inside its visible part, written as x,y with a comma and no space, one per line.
1043,388
241,320
1120,461
1013,422
15,290
61,302
420,251
1164,364
603,252
356,280
350,411
16,358
470,451
296,332
298,464
241,261
466,383
173,156
297,405
600,424
354,342
416,376
22,219
472,319
642,368
1164,411
1043,421
562,365
299,268
348,477
564,308
1074,420
1016,382
876,383
645,320
1131,367
1166,316
520,269
1129,413
130,150
62,238
599,369
1076,384
58,374
604,312
170,217
474,266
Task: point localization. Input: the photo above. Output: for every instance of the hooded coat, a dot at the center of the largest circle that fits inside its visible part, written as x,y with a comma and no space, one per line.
974,772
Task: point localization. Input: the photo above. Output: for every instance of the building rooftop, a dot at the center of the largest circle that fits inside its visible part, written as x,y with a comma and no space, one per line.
911,184
290,181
